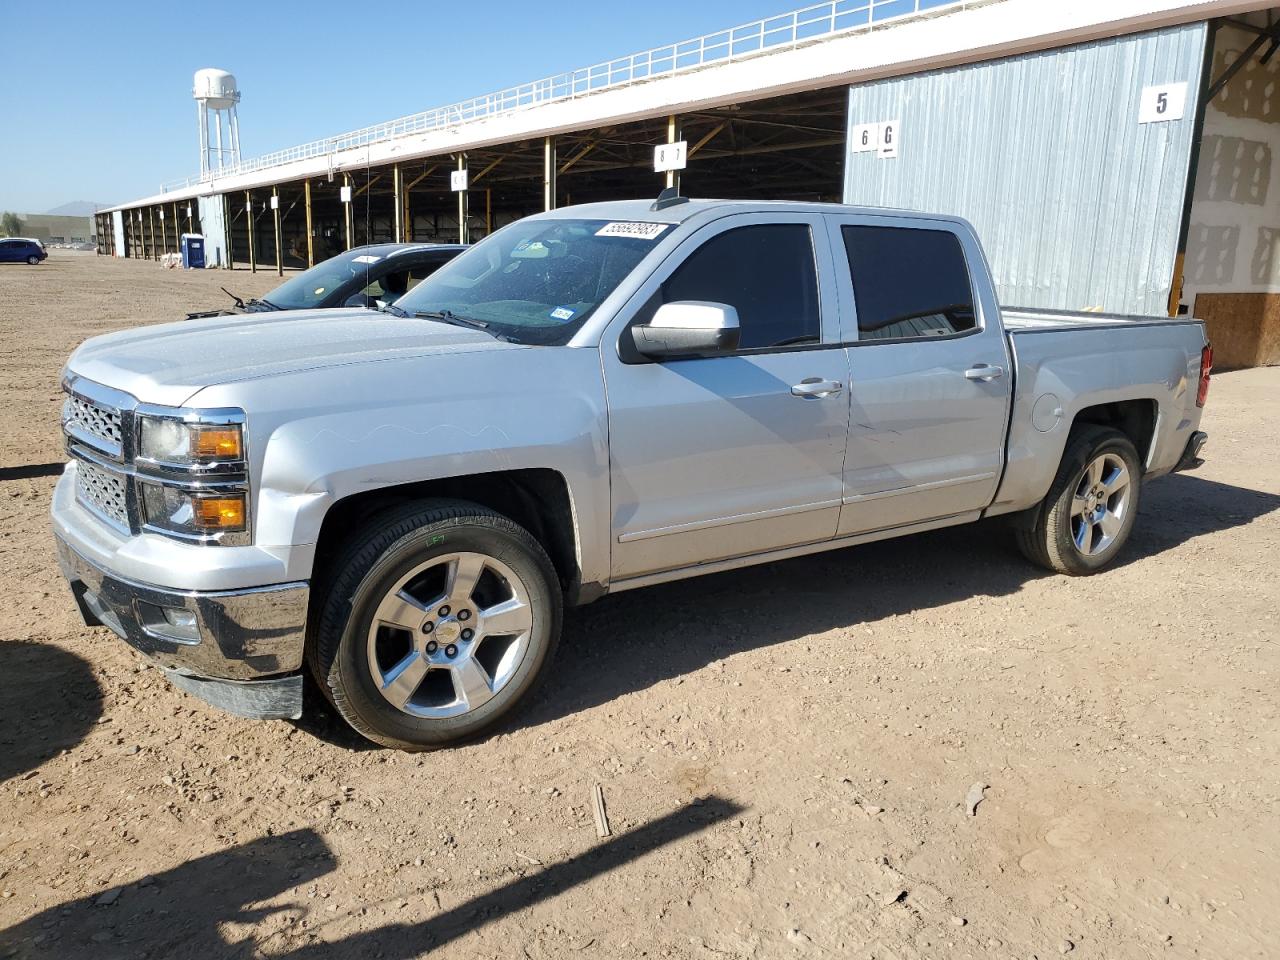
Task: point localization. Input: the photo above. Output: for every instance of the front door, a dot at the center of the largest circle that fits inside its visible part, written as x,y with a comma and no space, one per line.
929,378
730,455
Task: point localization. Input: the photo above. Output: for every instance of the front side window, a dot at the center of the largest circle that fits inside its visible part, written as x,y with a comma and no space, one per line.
538,280
909,284
764,271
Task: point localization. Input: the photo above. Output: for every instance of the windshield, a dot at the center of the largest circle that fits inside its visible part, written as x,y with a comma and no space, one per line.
312,287
538,280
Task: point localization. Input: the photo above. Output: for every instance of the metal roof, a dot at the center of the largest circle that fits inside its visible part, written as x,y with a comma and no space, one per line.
815,51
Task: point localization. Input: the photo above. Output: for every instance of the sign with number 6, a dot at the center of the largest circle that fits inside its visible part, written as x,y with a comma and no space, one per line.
864,138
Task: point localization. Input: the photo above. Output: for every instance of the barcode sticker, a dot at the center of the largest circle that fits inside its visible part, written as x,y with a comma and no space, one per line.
637,231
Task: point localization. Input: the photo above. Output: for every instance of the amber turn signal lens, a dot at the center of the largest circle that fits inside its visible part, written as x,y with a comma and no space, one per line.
219,513
217,443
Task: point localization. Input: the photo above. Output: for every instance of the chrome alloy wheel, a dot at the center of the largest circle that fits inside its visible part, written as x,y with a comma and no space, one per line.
1100,504
449,635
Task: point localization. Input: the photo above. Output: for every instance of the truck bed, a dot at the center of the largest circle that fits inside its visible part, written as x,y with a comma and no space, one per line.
1033,320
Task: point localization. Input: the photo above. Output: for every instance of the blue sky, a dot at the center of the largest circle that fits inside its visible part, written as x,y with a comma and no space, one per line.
97,104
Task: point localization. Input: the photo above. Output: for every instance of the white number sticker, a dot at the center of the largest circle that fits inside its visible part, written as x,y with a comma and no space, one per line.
637,231
890,135
1167,102
864,138
457,180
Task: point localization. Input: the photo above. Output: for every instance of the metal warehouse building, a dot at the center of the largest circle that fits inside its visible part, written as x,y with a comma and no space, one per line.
1113,155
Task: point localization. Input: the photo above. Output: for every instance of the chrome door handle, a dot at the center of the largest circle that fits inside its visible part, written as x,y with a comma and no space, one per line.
984,372
813,388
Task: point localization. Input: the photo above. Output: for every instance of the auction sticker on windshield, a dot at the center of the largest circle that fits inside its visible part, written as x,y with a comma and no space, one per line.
366,258
562,313
637,231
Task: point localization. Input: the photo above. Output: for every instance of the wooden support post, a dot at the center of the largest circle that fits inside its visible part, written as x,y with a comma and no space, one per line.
404,214
311,246
151,218
397,187
275,210
226,230
463,233
548,173
346,180
673,136
253,250
177,232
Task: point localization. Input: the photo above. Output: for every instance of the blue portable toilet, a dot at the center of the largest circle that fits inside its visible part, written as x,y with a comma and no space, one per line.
192,251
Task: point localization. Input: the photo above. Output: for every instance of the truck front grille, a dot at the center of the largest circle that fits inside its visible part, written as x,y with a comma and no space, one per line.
97,421
103,492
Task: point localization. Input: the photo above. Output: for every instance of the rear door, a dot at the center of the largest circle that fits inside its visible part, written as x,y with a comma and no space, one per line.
930,378
736,454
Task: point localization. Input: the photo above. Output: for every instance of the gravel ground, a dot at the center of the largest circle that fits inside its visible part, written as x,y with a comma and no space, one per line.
785,752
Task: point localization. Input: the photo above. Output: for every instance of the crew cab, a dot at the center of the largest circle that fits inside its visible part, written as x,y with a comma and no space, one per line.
593,399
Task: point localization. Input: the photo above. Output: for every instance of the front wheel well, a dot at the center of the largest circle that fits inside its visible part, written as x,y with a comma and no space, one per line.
1136,419
536,499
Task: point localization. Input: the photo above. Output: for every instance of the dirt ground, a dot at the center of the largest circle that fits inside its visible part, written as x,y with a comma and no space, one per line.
785,752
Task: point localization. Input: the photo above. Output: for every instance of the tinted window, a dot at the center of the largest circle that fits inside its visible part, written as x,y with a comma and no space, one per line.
766,272
908,283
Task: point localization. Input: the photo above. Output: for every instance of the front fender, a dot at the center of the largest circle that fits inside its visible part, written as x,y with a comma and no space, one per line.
316,437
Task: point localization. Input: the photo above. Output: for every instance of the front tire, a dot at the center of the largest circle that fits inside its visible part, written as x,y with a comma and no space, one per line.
33,260
435,625
1090,510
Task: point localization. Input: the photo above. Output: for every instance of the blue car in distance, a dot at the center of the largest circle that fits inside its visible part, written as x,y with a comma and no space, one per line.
22,250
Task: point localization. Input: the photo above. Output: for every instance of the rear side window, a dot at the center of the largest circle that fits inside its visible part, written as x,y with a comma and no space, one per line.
765,272
909,284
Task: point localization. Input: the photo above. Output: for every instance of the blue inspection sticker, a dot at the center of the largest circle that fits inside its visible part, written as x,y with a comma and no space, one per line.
562,313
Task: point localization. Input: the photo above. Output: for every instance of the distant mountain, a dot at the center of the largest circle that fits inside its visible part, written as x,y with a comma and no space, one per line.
76,208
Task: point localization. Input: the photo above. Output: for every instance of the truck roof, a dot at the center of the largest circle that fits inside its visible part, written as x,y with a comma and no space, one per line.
641,210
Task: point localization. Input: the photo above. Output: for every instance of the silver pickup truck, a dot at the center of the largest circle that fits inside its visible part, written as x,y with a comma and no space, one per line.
593,399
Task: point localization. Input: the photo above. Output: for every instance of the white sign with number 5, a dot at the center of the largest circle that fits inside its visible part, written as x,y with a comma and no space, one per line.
1166,102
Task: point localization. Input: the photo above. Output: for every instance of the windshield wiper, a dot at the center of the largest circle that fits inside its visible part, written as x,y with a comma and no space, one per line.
266,303
448,316
239,302
392,309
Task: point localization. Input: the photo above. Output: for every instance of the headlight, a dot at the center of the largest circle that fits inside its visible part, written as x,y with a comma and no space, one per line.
180,442
194,512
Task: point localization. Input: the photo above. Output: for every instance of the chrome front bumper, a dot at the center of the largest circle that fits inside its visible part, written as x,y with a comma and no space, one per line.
219,645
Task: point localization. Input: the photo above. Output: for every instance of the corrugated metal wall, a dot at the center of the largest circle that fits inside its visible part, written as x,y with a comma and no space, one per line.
213,225
1077,203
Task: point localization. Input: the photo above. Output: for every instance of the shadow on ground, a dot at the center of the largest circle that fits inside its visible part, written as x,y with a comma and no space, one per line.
49,700
632,640
179,913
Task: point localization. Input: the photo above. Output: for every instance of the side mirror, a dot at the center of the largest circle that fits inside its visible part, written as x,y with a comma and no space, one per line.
688,328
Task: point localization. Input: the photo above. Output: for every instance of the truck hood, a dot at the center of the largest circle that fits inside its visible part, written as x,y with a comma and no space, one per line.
167,364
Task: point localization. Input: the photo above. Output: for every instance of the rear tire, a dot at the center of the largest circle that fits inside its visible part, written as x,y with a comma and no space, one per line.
1089,512
435,624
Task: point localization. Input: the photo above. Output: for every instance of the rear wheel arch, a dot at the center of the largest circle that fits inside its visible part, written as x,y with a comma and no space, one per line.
1136,419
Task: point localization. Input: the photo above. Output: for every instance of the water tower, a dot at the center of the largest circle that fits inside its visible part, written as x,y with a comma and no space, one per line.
216,95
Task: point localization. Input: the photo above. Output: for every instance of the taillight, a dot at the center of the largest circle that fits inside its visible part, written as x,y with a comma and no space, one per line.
1206,368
